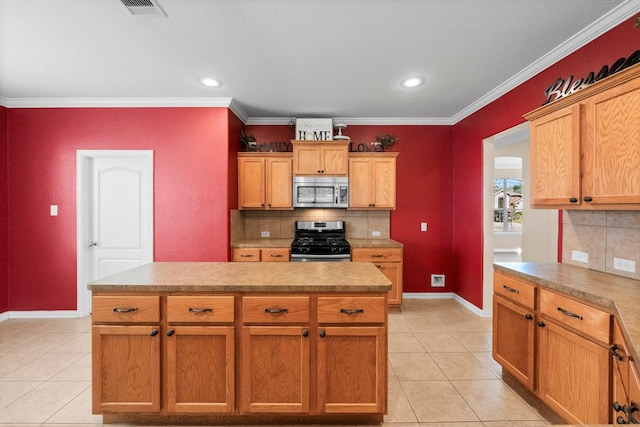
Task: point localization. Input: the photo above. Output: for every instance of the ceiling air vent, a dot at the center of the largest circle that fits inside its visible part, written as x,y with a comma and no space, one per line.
143,7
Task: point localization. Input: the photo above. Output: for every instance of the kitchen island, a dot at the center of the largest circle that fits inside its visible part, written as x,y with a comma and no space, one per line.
229,343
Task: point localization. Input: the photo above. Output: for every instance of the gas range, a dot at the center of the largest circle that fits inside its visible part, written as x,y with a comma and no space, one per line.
320,241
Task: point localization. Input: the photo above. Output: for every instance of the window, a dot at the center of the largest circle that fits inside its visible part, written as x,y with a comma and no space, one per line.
507,205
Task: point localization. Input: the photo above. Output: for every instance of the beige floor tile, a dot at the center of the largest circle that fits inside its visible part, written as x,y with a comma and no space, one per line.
493,400
396,323
399,409
78,344
80,370
10,391
513,423
77,411
415,366
402,342
462,366
10,362
488,361
439,342
474,341
43,368
437,401
39,404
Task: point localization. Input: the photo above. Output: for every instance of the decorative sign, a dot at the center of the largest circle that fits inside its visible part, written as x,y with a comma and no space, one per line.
314,129
561,88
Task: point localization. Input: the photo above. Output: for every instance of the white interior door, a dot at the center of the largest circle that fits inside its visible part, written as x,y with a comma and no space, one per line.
115,224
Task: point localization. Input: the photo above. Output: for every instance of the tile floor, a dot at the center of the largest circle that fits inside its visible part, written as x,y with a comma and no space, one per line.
440,372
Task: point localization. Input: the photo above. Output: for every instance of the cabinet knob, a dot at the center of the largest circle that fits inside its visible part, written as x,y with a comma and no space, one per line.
153,332
322,333
305,332
616,407
614,352
587,199
573,200
528,316
541,324
170,332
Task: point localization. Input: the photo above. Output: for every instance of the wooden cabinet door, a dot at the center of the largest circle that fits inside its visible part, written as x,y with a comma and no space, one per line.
360,182
393,271
514,340
612,146
306,159
573,375
275,369
334,159
278,191
555,158
200,374
384,183
352,368
251,182
126,368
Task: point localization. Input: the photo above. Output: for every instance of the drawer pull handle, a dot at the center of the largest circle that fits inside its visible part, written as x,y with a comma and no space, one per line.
376,256
276,310
515,291
352,311
614,352
200,310
568,313
246,255
124,310
276,256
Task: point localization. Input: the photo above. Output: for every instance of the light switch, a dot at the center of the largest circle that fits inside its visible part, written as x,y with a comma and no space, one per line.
53,210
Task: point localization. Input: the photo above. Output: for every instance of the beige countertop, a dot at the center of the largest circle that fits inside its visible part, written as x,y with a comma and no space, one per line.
286,243
247,276
618,295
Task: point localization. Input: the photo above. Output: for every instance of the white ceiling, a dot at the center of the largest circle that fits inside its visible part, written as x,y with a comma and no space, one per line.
278,59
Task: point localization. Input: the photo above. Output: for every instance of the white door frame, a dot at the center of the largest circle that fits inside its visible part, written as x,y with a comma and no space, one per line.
83,203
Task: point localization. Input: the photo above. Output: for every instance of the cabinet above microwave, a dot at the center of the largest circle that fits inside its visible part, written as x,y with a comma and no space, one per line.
324,158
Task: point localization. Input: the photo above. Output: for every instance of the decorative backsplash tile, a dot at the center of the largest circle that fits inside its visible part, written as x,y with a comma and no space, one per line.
603,235
281,224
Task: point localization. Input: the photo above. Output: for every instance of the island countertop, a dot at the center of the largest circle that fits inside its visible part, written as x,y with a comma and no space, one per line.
247,276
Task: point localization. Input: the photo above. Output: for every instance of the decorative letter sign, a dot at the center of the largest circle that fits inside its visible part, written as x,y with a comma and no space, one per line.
314,129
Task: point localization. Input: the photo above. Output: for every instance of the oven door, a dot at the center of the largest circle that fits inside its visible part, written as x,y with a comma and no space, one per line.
320,258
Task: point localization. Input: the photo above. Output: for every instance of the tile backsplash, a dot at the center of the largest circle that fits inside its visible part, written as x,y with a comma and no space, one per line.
281,224
603,235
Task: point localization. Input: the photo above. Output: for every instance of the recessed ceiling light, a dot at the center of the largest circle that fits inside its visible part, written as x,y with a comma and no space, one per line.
412,82
209,82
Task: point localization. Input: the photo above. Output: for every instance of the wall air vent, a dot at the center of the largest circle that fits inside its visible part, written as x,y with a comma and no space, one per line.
143,7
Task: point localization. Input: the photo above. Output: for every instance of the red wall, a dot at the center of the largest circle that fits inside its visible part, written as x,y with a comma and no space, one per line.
424,182
4,286
191,206
500,115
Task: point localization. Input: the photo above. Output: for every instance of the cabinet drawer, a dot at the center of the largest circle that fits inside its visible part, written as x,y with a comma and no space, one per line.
126,309
275,309
351,309
516,290
246,255
581,317
275,255
376,254
200,309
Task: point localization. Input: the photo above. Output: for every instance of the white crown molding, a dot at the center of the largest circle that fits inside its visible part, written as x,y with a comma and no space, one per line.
357,121
116,102
601,26
238,111
3,101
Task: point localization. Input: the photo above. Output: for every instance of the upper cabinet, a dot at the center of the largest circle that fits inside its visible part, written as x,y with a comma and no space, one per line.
320,157
372,181
585,148
264,181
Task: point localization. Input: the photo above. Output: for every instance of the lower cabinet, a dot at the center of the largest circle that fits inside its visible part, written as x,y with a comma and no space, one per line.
390,262
245,356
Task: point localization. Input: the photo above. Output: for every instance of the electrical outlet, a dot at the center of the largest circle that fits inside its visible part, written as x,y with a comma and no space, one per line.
624,265
265,234
580,256
423,226
437,280
375,233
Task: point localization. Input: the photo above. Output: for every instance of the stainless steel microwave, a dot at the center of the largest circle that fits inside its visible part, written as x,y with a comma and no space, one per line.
320,192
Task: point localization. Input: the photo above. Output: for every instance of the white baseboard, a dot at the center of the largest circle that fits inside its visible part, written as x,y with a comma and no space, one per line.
448,295
42,314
